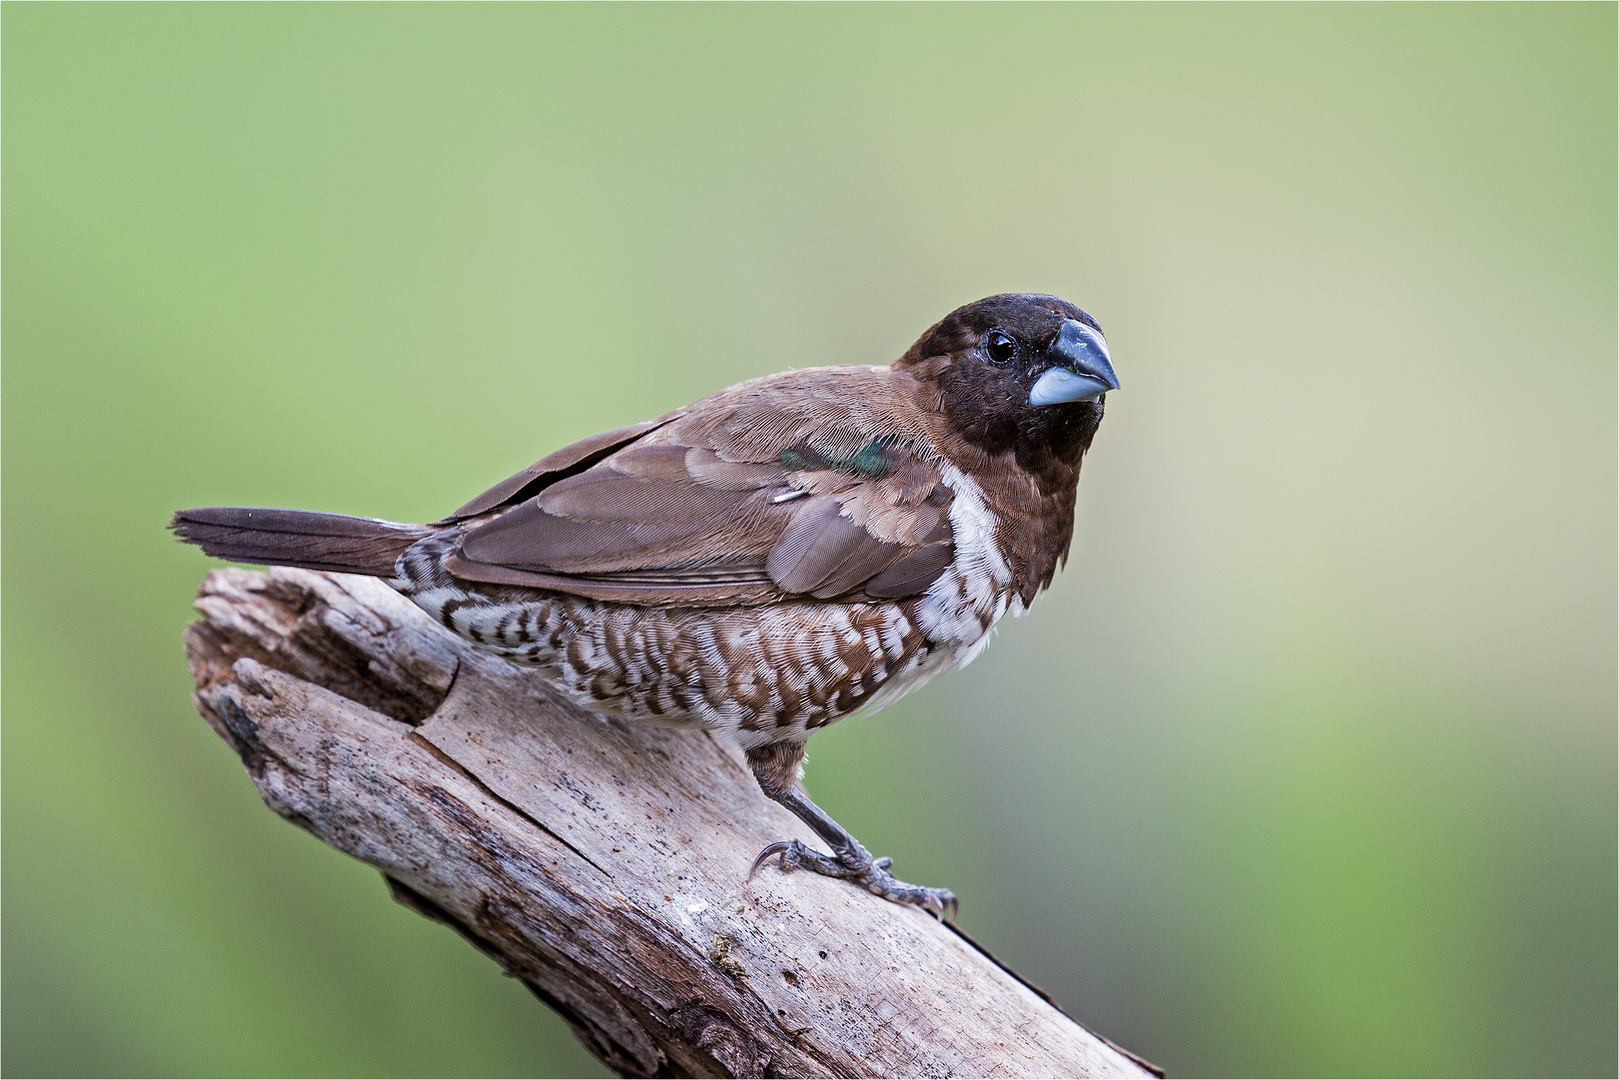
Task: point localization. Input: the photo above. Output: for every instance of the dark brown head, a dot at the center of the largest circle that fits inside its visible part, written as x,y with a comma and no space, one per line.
1018,371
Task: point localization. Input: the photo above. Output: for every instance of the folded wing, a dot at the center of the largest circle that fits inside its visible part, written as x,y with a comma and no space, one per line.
809,484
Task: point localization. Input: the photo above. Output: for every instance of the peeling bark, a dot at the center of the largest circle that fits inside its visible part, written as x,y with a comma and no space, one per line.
600,861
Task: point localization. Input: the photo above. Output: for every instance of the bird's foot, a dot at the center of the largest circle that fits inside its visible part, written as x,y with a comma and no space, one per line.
857,865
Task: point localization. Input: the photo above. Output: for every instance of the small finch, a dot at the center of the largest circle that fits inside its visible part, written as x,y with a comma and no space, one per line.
787,552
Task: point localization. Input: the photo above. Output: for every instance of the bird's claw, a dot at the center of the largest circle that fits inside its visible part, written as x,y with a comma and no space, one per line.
778,848
858,866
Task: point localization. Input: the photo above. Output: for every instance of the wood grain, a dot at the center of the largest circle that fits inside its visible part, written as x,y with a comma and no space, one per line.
600,861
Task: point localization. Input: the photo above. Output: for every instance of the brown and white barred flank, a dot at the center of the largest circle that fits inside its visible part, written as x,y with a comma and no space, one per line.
761,674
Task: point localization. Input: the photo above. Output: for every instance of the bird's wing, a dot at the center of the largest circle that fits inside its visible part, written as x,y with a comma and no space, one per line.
818,483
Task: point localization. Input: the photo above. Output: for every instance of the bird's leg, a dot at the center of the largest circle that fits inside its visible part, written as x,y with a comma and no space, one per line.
776,767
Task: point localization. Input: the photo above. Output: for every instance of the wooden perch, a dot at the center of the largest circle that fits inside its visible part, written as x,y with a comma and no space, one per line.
600,861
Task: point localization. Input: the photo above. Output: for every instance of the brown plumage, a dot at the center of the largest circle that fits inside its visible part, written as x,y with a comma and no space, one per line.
769,559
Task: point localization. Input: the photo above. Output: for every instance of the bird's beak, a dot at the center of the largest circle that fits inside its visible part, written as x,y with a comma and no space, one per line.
1081,371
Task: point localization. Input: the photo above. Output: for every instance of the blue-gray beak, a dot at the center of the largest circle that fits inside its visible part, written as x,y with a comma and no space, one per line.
1083,369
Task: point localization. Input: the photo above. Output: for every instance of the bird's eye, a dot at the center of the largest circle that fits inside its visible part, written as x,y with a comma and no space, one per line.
1000,347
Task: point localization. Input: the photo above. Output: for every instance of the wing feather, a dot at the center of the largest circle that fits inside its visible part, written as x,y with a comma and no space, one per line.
569,459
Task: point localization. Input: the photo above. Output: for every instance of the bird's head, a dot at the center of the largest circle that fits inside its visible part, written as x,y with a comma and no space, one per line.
1018,371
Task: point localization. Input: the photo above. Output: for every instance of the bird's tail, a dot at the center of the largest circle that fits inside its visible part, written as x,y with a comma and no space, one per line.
305,538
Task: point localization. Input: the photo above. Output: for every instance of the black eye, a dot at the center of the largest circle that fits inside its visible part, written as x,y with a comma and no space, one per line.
1000,347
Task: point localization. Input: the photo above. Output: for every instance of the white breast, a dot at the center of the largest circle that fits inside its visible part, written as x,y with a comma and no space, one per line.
969,598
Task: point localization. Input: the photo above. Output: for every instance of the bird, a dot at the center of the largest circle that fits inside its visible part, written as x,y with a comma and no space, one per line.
782,554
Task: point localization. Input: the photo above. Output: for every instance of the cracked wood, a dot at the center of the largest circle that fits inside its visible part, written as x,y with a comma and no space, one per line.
600,861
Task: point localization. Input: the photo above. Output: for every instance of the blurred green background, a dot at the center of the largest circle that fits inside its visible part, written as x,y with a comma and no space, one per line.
1305,767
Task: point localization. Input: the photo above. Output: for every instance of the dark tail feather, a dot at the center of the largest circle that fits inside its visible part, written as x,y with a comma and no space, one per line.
305,538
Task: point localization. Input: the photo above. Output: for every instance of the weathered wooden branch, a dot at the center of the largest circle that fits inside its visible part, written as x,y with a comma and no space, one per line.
600,861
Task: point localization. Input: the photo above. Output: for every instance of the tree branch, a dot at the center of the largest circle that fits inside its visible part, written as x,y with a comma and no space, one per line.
600,861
